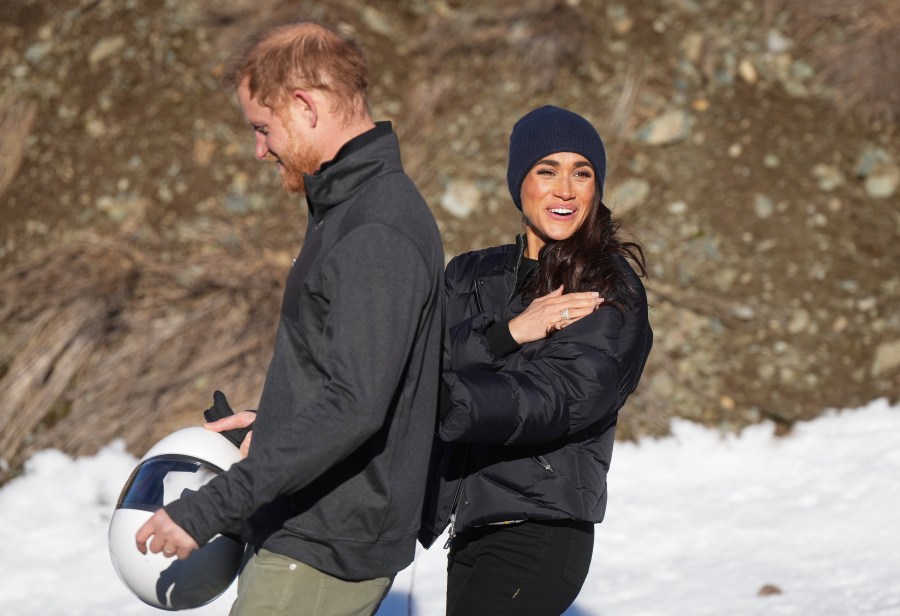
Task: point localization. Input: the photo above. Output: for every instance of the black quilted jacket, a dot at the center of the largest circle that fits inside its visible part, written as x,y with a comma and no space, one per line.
528,435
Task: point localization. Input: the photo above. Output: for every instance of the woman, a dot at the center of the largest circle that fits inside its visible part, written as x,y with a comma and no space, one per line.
547,338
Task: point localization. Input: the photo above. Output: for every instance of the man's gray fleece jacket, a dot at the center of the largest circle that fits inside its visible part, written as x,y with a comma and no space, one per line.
336,472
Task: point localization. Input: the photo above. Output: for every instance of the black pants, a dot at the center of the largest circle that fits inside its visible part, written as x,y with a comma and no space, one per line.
524,569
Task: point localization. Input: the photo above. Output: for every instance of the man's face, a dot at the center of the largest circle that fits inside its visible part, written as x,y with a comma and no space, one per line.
280,140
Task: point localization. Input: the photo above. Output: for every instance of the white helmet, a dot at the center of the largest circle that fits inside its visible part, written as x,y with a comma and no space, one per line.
184,460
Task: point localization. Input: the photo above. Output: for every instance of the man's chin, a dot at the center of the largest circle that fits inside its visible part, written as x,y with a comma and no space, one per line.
293,183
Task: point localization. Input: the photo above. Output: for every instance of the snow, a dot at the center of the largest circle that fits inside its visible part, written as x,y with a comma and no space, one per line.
697,524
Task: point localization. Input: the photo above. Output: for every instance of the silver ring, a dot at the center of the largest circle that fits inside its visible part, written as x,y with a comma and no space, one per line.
565,314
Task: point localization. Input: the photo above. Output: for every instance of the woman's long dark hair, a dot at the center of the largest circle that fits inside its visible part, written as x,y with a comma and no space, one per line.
586,261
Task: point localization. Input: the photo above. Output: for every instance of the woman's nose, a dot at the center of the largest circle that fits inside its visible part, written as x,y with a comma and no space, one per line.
564,188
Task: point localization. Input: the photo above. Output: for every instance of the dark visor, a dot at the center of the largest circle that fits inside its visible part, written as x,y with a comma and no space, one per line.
162,479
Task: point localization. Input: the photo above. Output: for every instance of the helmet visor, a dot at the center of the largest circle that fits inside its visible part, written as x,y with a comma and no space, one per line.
160,480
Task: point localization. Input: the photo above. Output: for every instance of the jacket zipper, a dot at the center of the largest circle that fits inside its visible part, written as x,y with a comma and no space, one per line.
479,282
520,250
452,519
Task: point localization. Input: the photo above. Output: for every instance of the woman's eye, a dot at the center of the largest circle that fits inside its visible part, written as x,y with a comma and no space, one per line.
545,172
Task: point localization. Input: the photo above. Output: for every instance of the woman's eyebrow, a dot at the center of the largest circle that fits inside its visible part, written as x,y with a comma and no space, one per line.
555,163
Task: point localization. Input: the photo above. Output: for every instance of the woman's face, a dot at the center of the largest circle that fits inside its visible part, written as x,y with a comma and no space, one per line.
557,195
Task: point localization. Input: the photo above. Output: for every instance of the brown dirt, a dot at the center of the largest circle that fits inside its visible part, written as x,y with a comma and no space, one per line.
122,139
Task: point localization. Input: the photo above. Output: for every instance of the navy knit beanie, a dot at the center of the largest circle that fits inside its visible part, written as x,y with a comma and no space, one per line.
548,130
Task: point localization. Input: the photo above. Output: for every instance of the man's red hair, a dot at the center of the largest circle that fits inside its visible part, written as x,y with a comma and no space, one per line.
302,56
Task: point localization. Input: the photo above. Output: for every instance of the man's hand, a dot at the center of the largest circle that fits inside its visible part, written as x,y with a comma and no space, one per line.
241,419
168,537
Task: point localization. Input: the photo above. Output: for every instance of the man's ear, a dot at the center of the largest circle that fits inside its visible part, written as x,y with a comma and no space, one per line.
307,106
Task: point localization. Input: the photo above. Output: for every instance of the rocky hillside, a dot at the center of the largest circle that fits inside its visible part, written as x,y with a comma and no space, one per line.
753,160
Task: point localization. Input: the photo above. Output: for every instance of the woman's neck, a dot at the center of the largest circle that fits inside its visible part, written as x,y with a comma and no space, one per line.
533,244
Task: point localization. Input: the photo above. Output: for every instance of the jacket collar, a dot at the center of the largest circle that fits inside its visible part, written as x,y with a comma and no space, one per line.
368,155
515,257
495,286
510,262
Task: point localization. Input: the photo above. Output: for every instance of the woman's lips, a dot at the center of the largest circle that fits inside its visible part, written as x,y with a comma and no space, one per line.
560,213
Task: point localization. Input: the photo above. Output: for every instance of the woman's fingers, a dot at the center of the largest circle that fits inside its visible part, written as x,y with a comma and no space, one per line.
574,314
569,300
544,314
566,310
578,313
559,294
574,299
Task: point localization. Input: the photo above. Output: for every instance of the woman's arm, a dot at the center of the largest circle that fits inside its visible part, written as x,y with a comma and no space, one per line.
482,341
584,373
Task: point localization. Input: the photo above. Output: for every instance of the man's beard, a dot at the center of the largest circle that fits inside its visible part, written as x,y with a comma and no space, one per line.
298,159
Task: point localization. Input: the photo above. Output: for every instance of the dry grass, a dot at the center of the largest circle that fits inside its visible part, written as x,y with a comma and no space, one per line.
100,340
16,119
860,64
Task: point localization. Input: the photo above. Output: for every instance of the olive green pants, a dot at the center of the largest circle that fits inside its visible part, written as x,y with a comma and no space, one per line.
274,584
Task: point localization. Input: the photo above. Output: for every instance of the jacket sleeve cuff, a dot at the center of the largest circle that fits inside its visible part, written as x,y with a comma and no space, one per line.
183,514
500,340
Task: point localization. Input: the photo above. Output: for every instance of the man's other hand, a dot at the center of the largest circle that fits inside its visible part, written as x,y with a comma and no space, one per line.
167,537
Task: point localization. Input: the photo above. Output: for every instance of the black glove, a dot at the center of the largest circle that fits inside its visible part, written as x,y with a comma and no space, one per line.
220,409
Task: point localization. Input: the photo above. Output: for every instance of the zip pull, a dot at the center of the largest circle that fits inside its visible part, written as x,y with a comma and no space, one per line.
452,530
543,462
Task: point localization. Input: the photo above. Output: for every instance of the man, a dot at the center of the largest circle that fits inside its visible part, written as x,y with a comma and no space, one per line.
330,492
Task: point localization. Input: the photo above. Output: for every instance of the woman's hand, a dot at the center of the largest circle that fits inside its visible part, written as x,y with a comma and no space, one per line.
552,312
